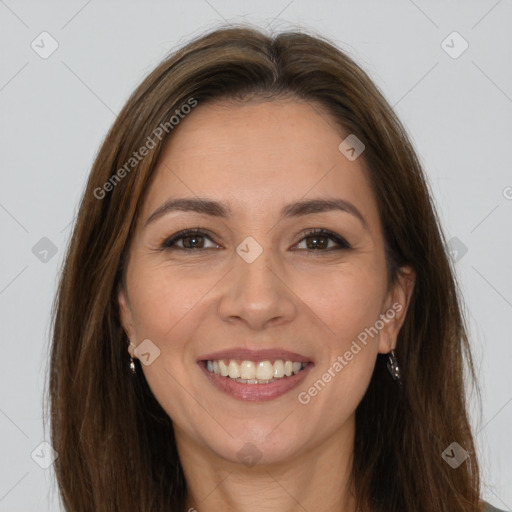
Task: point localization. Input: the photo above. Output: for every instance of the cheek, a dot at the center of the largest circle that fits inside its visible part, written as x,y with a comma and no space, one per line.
162,298
345,301
346,304
168,306
160,310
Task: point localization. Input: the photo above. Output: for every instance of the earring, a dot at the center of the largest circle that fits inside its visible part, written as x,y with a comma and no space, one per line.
133,369
393,367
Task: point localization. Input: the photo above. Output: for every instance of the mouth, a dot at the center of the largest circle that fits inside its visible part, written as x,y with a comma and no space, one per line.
255,375
254,372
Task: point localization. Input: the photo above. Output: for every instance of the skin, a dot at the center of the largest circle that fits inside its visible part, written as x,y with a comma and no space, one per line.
312,302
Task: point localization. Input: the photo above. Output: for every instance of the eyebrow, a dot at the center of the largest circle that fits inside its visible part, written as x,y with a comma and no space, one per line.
296,209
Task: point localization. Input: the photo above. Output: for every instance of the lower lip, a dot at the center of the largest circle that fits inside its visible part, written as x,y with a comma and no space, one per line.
255,392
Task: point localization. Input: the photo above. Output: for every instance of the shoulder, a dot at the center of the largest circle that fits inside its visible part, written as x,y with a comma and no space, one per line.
490,508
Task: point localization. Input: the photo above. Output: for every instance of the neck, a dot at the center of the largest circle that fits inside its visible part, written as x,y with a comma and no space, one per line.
320,475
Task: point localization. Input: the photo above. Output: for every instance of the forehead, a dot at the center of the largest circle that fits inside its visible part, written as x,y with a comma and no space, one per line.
257,156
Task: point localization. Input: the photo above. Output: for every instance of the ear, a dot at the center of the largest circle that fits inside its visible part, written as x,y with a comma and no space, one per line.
126,317
395,308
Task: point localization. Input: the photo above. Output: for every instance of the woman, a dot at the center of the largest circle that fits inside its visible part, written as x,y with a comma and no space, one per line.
257,310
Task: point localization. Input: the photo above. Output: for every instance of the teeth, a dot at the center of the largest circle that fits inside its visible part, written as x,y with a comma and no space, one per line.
247,370
250,372
224,370
296,367
265,370
233,370
278,369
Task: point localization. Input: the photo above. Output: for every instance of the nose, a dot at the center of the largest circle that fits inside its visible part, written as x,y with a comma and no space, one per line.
257,294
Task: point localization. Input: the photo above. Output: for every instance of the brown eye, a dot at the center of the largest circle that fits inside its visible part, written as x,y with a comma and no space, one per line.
189,240
323,240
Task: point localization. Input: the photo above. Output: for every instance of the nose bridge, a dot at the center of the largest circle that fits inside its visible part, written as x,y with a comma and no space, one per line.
256,292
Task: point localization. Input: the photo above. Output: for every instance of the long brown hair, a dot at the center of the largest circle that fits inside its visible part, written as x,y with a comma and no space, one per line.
115,443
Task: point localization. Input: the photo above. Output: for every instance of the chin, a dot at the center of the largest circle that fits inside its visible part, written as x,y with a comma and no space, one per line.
257,446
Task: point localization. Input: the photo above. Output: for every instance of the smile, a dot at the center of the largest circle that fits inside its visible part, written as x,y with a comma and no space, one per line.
254,389
254,372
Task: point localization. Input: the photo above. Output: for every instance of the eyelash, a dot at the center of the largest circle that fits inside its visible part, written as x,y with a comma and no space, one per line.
169,244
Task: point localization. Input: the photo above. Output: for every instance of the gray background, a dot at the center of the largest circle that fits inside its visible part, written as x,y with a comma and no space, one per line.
56,111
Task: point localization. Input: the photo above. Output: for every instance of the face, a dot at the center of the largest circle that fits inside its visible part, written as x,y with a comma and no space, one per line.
269,277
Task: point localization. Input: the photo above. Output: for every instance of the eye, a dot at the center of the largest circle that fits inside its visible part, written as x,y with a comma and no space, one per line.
189,239
319,239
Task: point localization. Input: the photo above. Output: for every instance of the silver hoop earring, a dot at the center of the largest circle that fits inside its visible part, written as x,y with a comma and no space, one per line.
393,367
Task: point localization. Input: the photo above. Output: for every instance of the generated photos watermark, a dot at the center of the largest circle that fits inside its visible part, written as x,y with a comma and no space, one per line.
341,361
143,151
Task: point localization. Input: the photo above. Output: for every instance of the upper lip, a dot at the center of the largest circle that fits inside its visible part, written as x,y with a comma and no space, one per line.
247,354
